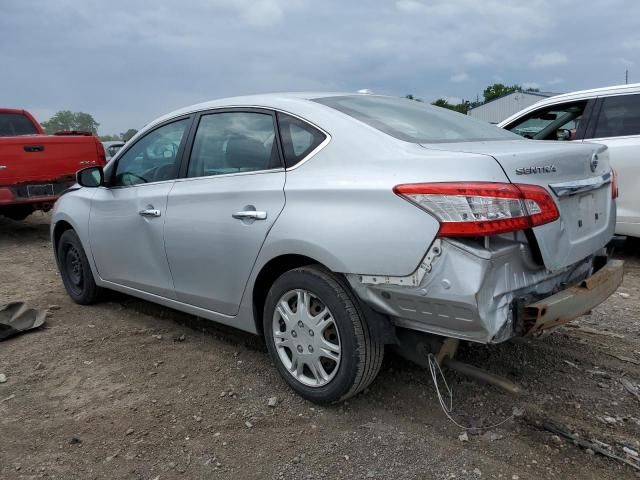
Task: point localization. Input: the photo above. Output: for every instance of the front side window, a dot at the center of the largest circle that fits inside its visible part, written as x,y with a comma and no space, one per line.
233,142
299,138
557,122
153,158
413,121
619,116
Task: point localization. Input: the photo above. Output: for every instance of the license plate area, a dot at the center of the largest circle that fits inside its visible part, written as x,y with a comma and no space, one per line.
40,190
585,213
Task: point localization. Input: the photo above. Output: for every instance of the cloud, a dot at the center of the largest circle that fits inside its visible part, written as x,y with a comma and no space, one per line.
548,59
476,58
129,62
459,77
555,81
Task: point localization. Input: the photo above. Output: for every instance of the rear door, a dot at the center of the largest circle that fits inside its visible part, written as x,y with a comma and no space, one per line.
617,125
127,218
219,215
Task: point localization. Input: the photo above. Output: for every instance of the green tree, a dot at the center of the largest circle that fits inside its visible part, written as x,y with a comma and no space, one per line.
109,138
463,107
498,90
126,136
66,120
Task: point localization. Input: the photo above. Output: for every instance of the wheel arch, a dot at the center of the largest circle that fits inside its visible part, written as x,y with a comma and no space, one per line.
268,274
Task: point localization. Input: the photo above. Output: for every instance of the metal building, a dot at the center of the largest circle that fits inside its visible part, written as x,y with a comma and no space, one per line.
501,108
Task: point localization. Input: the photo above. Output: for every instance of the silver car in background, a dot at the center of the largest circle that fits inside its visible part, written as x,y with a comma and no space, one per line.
334,224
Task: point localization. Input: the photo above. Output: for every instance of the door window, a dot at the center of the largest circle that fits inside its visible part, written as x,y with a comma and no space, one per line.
299,138
619,116
557,122
233,142
153,158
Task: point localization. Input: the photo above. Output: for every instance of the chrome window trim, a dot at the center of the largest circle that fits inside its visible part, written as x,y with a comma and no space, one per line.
234,174
311,154
575,187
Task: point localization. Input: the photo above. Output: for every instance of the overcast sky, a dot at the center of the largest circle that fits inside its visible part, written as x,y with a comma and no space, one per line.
129,61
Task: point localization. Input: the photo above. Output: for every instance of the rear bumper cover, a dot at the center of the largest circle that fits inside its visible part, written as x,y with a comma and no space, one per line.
488,294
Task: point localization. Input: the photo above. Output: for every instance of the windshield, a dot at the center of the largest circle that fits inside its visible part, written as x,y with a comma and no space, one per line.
13,124
414,121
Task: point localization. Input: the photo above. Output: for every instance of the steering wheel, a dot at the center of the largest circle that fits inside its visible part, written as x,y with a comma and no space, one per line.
125,178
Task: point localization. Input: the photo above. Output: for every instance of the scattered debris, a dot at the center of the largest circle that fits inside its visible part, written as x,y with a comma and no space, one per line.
10,397
248,424
272,402
571,364
631,388
3,378
16,318
53,307
179,338
630,451
550,427
594,331
75,440
623,295
129,431
622,358
492,436
463,437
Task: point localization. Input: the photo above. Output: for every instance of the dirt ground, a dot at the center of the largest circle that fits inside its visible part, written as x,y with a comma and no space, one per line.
126,389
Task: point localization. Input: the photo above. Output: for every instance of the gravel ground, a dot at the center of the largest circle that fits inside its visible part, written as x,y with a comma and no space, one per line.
127,389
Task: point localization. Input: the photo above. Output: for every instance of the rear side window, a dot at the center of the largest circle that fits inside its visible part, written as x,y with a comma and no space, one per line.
234,142
299,138
413,121
14,124
619,116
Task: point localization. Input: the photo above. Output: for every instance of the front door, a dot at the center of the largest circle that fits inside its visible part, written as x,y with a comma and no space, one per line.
127,217
219,215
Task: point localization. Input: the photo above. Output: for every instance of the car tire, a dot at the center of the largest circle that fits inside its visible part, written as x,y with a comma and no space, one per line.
75,270
347,351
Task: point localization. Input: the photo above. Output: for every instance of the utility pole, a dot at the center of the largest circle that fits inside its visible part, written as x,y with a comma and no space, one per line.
626,76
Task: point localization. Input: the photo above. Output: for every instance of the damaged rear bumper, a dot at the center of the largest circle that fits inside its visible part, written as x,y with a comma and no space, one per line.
488,293
568,304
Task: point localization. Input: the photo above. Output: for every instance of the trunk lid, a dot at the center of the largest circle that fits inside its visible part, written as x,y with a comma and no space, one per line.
577,175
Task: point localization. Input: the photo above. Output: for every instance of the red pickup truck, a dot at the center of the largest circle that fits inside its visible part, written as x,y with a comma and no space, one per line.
36,168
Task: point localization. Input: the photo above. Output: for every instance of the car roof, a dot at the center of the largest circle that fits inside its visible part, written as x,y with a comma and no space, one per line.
594,92
279,101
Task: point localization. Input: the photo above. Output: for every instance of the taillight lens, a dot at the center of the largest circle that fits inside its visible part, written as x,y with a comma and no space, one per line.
614,184
472,209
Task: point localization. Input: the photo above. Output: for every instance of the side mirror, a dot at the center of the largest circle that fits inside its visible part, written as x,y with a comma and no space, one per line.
90,177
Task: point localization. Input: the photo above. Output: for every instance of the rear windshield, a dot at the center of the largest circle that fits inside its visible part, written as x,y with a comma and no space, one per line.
414,121
12,124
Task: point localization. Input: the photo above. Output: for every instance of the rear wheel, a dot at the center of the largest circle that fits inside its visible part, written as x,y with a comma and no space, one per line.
318,336
75,270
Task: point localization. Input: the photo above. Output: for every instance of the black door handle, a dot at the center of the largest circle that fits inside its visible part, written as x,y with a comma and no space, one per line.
34,148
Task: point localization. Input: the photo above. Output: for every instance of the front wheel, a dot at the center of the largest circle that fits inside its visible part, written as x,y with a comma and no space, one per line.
318,337
75,270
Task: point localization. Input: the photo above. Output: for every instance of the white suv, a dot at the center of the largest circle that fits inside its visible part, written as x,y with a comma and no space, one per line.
610,116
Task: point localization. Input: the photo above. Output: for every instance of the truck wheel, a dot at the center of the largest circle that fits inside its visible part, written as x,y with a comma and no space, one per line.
318,337
75,270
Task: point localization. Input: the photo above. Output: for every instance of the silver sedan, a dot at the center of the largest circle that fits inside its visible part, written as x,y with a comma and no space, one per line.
336,224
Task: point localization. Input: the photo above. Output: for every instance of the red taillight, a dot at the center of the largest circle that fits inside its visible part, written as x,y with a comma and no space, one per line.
614,184
478,208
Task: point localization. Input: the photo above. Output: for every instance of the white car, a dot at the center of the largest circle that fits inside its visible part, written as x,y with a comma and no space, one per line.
610,116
